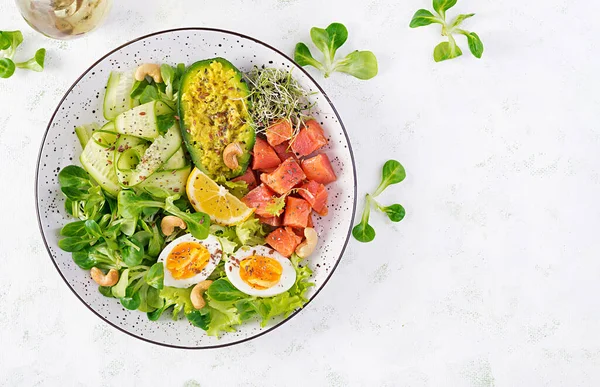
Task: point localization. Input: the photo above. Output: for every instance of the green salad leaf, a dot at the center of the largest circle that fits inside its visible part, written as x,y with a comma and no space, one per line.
178,298
239,189
223,290
200,318
198,223
251,232
132,299
155,276
227,307
120,289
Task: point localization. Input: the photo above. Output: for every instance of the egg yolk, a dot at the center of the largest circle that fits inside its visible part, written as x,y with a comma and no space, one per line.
260,272
187,259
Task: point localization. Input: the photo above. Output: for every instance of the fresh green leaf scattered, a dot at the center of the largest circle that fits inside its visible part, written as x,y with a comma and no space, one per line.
392,173
9,41
360,64
7,68
363,232
424,18
395,211
5,41
36,63
448,50
15,38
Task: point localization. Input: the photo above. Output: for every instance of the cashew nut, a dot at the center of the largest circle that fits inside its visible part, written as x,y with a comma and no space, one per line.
150,69
169,223
109,279
307,247
197,292
231,153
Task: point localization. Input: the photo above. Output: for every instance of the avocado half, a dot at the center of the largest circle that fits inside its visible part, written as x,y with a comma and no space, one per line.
213,112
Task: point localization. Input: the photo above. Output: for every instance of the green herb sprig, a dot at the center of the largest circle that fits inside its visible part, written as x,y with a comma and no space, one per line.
449,49
9,41
393,173
359,64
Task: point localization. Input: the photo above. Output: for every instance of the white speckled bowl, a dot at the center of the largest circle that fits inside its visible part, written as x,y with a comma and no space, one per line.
83,104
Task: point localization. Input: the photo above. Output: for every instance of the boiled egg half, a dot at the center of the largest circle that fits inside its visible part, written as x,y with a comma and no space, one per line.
188,260
260,271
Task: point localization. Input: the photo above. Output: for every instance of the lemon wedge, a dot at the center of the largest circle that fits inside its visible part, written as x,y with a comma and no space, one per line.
214,200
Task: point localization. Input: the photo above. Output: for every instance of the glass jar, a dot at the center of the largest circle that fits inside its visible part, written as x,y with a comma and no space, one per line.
64,19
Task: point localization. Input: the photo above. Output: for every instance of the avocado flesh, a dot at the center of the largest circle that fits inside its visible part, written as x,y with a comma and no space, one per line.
213,113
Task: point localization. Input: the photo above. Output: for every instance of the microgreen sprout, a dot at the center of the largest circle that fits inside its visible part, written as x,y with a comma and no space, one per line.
276,95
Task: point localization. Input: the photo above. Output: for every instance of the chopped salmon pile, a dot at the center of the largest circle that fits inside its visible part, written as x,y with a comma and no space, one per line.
288,181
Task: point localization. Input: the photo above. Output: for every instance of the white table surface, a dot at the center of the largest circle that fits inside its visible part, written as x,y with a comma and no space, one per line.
492,278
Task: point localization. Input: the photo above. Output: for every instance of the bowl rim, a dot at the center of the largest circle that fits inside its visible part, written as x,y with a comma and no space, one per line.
37,207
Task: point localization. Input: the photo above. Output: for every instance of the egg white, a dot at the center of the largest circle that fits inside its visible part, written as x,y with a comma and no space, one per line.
213,246
232,268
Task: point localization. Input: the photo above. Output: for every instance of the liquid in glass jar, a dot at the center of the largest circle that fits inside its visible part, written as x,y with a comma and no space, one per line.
64,19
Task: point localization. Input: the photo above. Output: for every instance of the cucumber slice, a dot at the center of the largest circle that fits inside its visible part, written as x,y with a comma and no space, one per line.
177,161
84,133
116,97
141,121
128,153
96,159
104,138
157,154
109,127
171,181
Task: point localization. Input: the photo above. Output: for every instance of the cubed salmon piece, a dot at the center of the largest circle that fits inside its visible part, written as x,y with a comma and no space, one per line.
309,139
316,195
264,155
279,132
297,212
284,151
274,221
259,198
249,178
288,175
284,240
319,169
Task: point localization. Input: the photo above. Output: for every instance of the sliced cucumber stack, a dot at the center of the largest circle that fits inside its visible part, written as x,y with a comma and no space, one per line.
140,147
135,161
